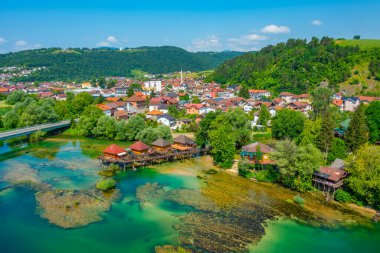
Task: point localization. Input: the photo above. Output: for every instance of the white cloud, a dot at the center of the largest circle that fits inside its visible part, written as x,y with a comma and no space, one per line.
21,43
2,40
37,46
246,42
316,22
210,43
103,44
112,39
275,29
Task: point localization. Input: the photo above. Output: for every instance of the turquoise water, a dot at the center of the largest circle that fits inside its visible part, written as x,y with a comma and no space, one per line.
127,227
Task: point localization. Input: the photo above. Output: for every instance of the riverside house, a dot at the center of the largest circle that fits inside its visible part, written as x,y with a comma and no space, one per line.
257,152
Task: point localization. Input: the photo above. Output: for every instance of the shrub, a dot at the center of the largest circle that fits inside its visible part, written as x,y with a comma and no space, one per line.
300,201
269,175
106,184
342,196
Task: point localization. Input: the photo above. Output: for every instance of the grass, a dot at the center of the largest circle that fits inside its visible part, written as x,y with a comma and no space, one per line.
363,44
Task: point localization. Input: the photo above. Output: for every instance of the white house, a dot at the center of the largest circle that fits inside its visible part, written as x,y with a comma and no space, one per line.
166,120
205,110
258,94
154,85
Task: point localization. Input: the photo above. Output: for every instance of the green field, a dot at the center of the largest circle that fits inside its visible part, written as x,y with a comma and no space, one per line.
361,43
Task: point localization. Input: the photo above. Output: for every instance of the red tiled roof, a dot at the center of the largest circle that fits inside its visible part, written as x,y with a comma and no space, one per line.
103,107
257,91
114,149
139,146
197,106
112,99
135,98
337,102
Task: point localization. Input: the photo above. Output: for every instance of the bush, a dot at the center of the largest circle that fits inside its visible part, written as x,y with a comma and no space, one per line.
342,196
269,175
300,201
106,184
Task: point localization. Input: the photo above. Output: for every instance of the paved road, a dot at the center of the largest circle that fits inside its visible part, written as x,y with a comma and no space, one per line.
29,130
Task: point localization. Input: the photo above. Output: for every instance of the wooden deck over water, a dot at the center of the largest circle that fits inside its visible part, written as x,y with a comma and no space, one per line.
156,157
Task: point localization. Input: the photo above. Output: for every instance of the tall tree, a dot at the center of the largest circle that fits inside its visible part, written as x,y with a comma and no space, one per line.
264,115
338,150
244,92
287,124
88,120
373,120
364,174
297,164
321,99
357,132
223,145
326,134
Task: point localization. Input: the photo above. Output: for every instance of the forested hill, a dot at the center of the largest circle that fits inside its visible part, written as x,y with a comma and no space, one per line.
85,64
299,66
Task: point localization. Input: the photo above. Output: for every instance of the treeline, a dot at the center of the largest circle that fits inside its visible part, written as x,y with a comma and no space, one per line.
84,64
297,66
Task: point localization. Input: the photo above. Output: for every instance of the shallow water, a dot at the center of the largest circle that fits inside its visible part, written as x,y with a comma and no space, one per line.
71,164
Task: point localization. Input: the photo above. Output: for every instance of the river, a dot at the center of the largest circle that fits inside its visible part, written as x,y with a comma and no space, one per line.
186,203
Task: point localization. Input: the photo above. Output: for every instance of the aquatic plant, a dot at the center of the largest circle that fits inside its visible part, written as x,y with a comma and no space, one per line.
300,201
106,184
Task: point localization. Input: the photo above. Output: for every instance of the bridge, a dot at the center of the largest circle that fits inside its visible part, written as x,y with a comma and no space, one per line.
29,130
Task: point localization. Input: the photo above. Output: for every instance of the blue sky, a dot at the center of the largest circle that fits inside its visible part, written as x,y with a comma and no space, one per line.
207,25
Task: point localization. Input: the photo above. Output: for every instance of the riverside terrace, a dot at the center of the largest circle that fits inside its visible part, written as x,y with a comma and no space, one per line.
139,154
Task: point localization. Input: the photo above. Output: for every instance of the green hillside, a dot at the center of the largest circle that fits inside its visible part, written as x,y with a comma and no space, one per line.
364,44
300,66
85,64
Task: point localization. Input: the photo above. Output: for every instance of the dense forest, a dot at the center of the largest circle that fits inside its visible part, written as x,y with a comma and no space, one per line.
298,65
84,64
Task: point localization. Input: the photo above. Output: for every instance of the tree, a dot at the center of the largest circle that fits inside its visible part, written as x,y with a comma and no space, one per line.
321,100
80,102
238,120
223,145
363,168
373,120
148,135
244,92
338,150
356,37
121,130
326,134
106,184
102,82
287,124
16,96
310,132
10,120
264,115
196,100
105,127
152,94
164,133
135,124
202,135
88,120
297,164
357,132
130,92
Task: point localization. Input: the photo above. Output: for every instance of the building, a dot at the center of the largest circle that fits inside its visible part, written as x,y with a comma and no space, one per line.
161,145
139,148
257,152
182,142
193,108
114,151
258,94
350,103
166,119
105,108
154,85
330,178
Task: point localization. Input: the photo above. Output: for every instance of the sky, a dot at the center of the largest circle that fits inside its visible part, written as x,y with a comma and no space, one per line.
195,25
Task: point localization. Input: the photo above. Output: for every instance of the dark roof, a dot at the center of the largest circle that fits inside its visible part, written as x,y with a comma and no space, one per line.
167,116
253,147
114,149
139,146
161,143
183,139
